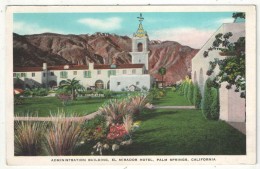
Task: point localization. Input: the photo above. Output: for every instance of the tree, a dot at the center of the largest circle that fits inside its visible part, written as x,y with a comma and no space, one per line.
197,96
210,103
71,85
190,92
162,72
231,68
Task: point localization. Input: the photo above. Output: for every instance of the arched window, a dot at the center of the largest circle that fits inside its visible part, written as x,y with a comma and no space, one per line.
140,47
99,84
52,83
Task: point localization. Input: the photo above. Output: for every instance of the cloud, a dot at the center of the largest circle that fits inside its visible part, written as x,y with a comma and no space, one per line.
108,24
24,28
225,20
192,37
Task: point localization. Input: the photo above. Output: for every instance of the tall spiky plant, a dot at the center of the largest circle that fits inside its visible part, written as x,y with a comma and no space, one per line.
28,138
128,122
115,109
63,136
137,103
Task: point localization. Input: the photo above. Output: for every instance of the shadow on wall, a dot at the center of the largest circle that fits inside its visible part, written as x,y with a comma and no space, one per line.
26,83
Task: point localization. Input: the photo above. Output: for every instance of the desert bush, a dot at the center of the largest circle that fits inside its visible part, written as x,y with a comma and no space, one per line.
210,103
28,138
197,96
63,135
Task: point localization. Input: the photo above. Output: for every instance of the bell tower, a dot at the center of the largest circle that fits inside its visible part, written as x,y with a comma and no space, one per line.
140,45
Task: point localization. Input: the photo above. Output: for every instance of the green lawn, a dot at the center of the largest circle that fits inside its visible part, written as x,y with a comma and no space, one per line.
181,132
185,132
171,99
42,106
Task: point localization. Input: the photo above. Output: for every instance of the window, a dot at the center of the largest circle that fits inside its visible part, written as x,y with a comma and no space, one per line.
23,74
111,72
63,74
52,73
139,60
118,83
133,71
124,71
140,47
17,75
43,74
33,74
75,72
14,74
87,74
113,66
98,72
137,83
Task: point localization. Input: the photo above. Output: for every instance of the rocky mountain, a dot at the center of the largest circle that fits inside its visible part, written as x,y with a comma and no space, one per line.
100,48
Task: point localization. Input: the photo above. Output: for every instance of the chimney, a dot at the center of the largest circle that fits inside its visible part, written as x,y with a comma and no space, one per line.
44,66
90,66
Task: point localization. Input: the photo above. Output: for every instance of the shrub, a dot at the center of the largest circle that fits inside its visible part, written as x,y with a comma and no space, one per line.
107,93
174,89
63,136
94,129
116,132
156,93
64,98
197,96
210,104
39,92
28,138
190,92
181,89
18,100
27,92
186,89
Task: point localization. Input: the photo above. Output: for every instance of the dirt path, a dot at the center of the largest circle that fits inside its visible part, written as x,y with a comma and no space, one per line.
90,116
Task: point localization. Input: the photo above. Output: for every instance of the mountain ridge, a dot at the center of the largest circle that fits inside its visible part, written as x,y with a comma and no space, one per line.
100,48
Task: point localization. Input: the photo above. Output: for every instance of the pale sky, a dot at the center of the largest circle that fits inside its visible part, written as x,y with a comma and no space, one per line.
188,28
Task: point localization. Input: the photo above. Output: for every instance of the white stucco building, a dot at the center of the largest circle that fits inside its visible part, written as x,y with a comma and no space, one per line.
232,106
106,76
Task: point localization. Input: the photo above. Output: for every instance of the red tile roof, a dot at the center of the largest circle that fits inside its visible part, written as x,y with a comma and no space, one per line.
27,69
77,67
70,67
122,66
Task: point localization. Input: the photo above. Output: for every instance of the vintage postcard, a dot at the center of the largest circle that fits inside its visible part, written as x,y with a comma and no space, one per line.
98,85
